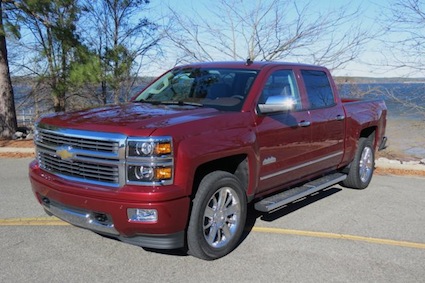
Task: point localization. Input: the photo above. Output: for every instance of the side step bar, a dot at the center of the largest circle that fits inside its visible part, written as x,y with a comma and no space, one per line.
275,201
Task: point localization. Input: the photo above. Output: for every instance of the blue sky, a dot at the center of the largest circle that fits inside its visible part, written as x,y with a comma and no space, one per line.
369,61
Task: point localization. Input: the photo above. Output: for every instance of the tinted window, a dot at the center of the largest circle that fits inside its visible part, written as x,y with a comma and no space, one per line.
319,91
281,83
220,88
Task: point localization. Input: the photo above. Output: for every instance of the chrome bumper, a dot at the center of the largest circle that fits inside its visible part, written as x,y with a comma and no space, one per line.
97,222
102,224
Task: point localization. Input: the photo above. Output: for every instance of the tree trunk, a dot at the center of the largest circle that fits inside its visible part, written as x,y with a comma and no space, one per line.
59,102
8,122
104,94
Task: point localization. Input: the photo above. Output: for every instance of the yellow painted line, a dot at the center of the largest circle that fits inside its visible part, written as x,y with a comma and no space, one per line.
53,221
36,221
340,237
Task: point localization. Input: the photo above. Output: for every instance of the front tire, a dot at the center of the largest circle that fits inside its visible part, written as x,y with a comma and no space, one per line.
218,216
362,167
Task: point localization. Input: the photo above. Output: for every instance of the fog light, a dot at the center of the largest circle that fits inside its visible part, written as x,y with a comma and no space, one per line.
142,215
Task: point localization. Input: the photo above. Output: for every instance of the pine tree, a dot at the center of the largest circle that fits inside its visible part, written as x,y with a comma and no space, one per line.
8,124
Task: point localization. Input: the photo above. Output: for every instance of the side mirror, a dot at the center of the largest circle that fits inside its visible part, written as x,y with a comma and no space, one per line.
277,103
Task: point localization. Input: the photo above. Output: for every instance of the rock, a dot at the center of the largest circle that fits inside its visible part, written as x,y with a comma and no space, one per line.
422,161
23,130
410,162
18,135
388,161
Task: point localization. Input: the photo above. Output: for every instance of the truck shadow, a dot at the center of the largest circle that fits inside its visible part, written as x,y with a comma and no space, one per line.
253,214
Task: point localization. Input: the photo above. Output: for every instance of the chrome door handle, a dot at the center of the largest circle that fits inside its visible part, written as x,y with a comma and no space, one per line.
340,117
304,124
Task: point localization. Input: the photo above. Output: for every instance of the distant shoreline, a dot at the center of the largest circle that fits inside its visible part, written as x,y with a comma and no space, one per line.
371,80
338,79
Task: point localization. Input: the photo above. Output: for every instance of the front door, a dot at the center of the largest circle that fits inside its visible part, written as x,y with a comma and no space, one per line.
283,138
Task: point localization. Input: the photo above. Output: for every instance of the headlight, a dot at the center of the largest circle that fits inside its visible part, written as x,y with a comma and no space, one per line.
150,160
149,147
141,173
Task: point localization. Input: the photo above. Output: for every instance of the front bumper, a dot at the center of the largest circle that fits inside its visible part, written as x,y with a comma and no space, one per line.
105,212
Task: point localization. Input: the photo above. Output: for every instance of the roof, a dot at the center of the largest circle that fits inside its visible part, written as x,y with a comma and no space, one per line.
256,65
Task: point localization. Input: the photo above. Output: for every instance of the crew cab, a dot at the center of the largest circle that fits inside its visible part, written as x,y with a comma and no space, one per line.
177,166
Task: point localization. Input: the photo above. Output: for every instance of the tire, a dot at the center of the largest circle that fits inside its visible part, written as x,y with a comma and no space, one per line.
218,216
361,168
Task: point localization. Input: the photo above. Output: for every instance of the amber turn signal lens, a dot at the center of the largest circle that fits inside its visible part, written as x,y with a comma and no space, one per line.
163,173
163,148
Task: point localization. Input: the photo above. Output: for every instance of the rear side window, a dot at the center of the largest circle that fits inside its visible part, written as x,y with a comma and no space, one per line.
319,91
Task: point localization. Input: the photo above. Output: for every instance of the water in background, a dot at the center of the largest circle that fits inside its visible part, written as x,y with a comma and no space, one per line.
413,93
400,98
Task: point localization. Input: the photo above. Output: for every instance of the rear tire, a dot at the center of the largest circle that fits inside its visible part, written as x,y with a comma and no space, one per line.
361,168
218,216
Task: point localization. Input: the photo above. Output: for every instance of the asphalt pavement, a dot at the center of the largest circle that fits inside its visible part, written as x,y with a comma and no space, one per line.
336,235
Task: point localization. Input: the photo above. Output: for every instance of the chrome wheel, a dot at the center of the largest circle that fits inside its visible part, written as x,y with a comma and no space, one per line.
361,168
221,217
218,216
366,164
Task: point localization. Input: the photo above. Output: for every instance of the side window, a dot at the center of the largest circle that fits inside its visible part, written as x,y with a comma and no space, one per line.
282,83
319,91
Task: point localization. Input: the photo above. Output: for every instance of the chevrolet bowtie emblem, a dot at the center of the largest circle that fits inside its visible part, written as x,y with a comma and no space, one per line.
65,153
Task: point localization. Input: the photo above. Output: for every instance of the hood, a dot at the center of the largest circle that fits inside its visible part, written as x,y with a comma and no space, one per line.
130,119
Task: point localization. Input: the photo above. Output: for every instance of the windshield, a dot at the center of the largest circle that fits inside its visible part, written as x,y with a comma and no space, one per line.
223,89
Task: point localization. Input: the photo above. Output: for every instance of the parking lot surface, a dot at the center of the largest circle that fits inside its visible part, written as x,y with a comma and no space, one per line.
336,235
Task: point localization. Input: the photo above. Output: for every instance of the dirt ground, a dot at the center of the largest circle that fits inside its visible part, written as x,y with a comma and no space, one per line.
16,144
406,142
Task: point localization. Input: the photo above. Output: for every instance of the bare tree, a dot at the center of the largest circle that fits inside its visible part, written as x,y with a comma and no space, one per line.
403,23
270,30
117,34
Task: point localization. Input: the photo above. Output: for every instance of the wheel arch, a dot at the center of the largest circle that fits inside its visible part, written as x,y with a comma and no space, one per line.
369,133
235,164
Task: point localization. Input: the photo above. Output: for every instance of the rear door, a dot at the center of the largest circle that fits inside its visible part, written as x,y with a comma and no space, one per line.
326,118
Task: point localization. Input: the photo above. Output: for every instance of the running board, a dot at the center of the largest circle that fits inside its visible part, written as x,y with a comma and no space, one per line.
276,201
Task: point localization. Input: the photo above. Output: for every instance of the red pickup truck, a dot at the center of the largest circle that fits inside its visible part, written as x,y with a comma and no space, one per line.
178,165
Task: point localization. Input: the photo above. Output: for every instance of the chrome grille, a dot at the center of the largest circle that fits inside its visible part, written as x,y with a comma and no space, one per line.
84,156
53,139
78,169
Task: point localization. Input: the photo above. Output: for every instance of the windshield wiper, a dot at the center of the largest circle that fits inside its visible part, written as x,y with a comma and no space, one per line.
181,103
170,102
153,102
